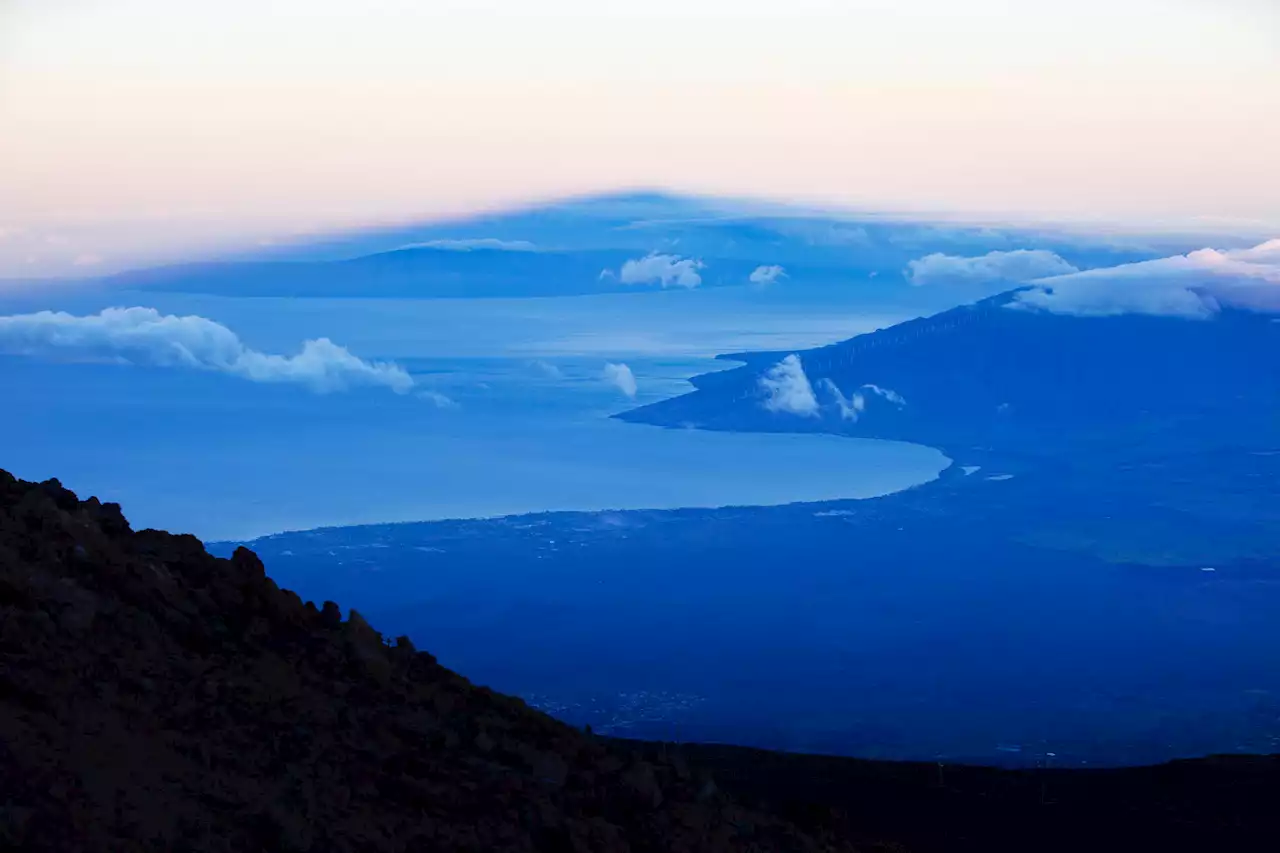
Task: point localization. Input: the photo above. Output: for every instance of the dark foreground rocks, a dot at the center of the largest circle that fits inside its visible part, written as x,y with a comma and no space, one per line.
153,697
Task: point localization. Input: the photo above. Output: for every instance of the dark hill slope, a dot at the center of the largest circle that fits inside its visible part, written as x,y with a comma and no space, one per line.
1220,803
1022,381
153,697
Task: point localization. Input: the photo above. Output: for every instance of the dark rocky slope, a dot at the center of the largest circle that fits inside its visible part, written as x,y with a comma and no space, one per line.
1219,803
153,697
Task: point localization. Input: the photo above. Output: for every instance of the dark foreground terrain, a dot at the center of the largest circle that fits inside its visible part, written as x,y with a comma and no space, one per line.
155,697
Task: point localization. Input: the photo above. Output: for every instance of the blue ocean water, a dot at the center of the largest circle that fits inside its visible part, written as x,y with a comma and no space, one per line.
515,417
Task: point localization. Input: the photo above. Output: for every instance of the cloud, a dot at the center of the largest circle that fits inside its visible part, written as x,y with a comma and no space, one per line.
147,337
1019,265
1194,285
667,270
787,389
852,407
547,369
441,401
766,275
1264,253
890,395
466,245
621,377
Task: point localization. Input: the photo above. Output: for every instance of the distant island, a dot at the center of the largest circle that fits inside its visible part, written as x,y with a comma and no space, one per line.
1108,417
997,377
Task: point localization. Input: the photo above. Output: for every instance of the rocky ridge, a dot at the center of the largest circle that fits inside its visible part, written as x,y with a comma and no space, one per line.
154,697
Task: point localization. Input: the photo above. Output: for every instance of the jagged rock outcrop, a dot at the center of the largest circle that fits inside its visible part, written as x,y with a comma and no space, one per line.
153,697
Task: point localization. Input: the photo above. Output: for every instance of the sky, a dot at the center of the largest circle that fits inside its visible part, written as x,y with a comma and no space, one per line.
132,129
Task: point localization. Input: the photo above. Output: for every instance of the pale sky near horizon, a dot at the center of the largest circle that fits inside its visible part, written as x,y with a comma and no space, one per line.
138,128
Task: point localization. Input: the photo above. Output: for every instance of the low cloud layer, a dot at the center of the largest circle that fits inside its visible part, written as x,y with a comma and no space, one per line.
666,270
1017,266
144,336
621,377
766,275
467,245
787,389
1195,285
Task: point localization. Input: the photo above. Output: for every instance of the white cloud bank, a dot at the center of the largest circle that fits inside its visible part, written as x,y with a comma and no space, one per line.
1017,266
144,336
767,275
787,389
621,377
667,270
466,245
1195,285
